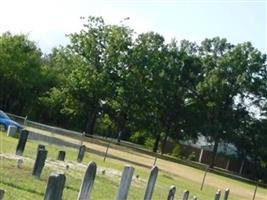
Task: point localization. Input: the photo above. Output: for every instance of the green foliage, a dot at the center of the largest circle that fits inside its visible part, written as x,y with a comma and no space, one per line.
22,78
138,137
149,142
103,126
177,151
139,84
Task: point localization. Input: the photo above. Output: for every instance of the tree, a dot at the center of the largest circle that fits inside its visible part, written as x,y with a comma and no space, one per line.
22,78
227,72
94,62
154,93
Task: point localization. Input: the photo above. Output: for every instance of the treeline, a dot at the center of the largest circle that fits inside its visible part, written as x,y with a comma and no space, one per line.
111,80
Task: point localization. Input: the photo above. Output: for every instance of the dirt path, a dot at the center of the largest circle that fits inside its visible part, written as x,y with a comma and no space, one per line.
184,172
243,190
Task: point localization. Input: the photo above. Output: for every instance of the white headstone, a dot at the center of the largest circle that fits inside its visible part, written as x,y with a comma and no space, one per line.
217,195
125,183
151,183
12,131
88,182
55,187
185,195
171,193
226,194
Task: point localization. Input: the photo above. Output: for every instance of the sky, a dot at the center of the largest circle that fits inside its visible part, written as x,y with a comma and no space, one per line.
48,21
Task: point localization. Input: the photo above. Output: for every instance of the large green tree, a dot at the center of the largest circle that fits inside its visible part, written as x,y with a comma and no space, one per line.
22,78
229,75
95,60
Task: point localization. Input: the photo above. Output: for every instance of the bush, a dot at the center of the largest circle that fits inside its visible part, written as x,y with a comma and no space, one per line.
176,152
138,137
149,142
102,125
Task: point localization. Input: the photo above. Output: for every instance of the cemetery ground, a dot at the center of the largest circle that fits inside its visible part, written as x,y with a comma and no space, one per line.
19,184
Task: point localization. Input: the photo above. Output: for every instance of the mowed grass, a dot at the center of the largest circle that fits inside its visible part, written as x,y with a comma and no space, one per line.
19,184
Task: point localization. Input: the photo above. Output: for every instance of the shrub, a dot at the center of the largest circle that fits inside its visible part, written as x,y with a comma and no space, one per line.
176,152
138,137
149,142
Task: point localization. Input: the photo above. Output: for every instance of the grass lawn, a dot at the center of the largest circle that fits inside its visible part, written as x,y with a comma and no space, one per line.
19,184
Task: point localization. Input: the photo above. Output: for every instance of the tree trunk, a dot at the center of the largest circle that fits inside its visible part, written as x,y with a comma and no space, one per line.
156,144
214,152
121,126
164,142
168,128
90,125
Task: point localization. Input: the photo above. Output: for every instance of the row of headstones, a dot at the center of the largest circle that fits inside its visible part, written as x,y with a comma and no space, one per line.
42,154
61,156
56,182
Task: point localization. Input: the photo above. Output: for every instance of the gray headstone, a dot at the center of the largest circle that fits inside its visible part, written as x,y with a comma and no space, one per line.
185,195
194,198
217,195
88,182
12,131
55,187
125,183
151,183
40,146
2,192
39,163
81,153
226,194
20,163
23,136
61,155
171,193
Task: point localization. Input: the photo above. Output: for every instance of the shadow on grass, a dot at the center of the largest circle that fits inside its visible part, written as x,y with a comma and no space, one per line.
57,141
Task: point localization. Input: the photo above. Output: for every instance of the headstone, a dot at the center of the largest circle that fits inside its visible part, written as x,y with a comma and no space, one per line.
61,155
103,172
194,198
19,163
55,187
151,183
217,195
12,131
2,192
226,194
22,142
40,146
39,163
125,183
88,182
185,195
171,193
81,153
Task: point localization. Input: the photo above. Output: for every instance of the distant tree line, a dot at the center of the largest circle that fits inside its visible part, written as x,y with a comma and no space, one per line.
110,79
